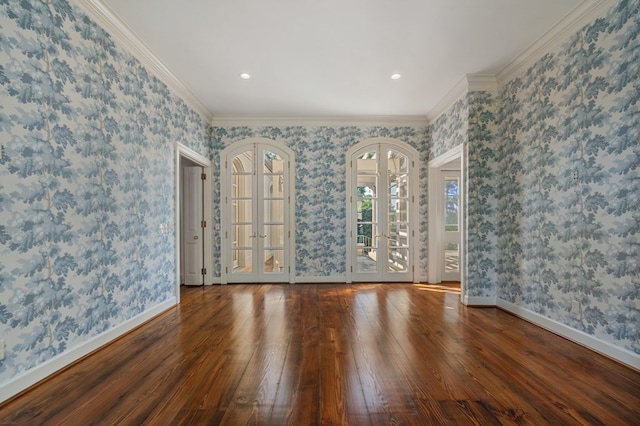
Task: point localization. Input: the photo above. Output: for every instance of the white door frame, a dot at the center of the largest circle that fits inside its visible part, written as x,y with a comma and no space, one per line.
289,210
436,217
183,151
414,235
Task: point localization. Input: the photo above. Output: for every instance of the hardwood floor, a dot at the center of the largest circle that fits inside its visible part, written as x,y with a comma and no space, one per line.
334,354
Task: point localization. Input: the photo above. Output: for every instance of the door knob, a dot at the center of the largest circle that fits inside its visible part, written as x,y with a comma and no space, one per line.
195,237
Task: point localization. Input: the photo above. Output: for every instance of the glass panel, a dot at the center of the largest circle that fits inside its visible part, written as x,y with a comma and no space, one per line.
273,211
241,211
398,209
397,162
274,236
398,186
242,260
451,199
399,235
242,185
367,163
273,163
243,163
242,236
398,259
365,210
367,190
451,257
274,186
274,261
366,260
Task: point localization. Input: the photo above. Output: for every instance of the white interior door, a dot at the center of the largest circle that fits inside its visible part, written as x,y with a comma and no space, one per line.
193,233
381,232
258,215
450,249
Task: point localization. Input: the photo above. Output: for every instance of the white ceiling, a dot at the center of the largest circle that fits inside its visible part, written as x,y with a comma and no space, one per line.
324,58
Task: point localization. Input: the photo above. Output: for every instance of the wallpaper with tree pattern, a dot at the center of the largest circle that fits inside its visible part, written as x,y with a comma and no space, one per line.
320,185
569,181
86,178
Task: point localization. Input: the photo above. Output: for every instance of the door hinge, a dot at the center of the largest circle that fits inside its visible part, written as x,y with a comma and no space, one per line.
289,269
351,163
351,199
351,233
203,176
413,198
226,269
351,268
203,224
413,233
226,164
289,234
413,163
204,271
226,234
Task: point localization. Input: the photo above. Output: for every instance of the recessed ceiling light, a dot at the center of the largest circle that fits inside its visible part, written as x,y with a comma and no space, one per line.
395,76
245,76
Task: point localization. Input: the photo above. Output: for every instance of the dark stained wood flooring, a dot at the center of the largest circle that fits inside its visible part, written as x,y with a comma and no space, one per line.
362,354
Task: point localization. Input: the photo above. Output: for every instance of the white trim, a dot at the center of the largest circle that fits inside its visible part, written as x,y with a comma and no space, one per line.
581,15
456,92
434,261
604,348
186,152
482,83
29,378
329,121
114,25
479,301
317,279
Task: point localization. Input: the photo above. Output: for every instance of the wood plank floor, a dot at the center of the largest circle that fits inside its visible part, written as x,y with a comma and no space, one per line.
365,354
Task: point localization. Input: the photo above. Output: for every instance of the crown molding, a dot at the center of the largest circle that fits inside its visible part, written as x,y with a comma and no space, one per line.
112,23
482,83
329,121
456,92
581,15
468,83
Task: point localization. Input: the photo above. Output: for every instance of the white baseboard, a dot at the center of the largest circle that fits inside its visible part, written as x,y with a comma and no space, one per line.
321,279
479,301
29,378
607,349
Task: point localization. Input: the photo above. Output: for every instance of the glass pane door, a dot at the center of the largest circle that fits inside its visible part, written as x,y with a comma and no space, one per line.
381,210
272,220
451,234
257,215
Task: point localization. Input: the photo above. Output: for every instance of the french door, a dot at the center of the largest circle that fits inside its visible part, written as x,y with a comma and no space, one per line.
450,249
256,194
381,205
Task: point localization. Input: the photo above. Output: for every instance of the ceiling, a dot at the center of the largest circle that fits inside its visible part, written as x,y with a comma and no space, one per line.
320,58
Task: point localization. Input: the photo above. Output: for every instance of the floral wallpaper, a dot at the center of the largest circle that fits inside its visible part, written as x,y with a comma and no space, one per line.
569,182
320,185
86,179
471,121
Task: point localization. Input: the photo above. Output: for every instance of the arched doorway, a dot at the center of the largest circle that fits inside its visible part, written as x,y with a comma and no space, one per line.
257,212
381,211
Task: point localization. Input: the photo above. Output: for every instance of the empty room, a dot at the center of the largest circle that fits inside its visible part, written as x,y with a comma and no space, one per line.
330,212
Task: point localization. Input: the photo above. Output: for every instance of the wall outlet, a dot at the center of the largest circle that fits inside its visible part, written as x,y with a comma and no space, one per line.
1,350
576,308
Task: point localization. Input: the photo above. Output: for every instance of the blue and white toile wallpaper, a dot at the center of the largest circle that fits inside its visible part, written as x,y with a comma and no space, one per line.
471,122
86,179
569,182
320,185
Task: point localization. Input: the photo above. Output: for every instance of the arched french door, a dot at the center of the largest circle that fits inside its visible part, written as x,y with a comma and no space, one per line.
382,211
257,213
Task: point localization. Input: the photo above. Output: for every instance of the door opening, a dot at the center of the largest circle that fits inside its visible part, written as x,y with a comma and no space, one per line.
447,231
193,213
